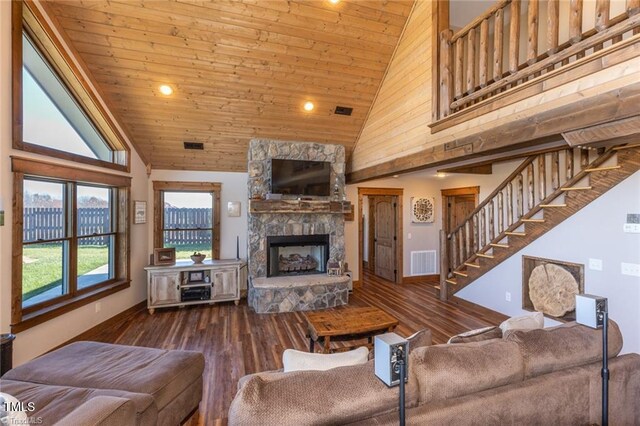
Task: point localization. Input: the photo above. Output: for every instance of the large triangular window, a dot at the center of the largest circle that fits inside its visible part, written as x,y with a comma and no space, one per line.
51,116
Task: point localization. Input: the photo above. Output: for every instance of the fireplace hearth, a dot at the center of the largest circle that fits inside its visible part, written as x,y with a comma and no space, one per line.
297,255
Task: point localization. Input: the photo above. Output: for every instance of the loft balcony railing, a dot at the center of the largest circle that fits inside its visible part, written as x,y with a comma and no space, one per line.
517,41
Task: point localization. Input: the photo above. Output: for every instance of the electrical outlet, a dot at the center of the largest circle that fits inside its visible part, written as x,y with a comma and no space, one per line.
409,236
631,228
98,307
632,269
595,264
507,296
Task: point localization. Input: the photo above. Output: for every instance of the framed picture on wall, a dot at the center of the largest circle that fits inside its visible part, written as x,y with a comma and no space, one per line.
233,208
139,212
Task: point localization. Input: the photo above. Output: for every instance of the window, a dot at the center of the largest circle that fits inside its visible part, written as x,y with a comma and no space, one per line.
71,238
49,243
51,116
188,217
56,112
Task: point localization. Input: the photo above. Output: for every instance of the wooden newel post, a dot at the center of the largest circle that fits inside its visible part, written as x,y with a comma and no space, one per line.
444,266
446,77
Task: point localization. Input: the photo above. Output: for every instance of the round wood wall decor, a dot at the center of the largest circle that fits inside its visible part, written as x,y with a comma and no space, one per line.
552,290
422,210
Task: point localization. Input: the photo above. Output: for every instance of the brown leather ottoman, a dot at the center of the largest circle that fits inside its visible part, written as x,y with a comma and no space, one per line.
172,378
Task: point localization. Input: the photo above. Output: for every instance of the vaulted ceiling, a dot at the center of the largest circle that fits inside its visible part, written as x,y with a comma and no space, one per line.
239,70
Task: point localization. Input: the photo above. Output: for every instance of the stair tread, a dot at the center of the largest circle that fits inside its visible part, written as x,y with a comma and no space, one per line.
488,256
499,245
517,234
533,220
553,205
601,169
462,274
451,281
473,265
576,188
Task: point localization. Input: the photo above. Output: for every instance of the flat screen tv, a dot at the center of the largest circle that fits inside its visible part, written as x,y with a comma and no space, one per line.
300,178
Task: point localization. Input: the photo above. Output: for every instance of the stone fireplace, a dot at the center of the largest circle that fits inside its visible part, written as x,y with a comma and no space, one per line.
274,225
297,255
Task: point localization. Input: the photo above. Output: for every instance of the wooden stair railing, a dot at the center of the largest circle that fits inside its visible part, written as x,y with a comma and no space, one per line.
468,76
539,201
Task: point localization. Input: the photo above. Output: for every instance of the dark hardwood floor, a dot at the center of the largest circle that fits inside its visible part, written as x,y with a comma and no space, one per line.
236,341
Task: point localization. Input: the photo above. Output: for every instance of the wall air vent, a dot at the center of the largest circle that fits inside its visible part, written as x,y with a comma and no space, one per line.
193,145
340,110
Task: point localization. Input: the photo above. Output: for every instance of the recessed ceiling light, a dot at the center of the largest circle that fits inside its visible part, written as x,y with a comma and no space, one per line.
334,1
441,175
165,89
395,176
308,106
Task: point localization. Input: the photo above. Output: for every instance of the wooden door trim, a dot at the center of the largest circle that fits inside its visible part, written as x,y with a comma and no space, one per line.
467,190
398,192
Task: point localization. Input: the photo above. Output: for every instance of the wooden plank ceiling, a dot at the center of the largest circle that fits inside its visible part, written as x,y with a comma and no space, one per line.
239,70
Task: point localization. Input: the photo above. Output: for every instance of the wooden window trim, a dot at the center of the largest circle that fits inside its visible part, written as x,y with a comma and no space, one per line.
25,318
159,187
32,18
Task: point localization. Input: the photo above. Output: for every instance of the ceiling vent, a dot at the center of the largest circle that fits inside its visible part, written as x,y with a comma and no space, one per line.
340,110
193,145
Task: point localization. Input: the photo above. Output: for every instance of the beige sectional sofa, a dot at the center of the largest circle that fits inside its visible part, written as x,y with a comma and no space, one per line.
546,376
91,383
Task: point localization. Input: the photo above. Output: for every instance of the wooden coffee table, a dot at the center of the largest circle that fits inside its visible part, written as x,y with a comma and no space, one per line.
347,324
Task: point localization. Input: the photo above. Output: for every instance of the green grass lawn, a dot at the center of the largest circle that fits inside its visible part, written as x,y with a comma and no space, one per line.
42,266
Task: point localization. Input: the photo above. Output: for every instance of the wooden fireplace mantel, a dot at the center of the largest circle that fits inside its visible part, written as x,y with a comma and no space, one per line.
299,206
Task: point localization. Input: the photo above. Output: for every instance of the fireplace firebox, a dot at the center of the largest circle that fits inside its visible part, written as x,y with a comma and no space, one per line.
297,255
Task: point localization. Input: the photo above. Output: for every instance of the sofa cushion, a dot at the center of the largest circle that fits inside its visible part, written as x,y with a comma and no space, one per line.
102,411
53,403
532,321
161,373
337,396
478,335
294,360
564,346
449,371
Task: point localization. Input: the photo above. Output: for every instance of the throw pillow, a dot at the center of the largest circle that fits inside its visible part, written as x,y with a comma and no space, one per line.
532,321
477,335
419,339
294,360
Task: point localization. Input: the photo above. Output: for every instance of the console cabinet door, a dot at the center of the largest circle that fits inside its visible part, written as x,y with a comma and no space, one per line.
224,283
164,288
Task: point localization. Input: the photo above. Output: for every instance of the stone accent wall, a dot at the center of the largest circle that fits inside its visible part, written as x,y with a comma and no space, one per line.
261,151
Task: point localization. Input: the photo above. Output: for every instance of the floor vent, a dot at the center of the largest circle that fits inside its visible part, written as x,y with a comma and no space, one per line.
423,262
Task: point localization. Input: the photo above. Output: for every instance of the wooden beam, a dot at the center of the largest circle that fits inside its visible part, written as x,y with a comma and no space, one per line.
514,37
483,169
532,32
603,132
553,25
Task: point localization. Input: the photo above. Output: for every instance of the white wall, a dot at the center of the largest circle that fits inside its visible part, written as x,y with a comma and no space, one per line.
234,188
41,338
424,236
594,232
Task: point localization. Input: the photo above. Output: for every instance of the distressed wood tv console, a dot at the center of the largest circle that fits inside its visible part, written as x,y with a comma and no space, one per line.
188,283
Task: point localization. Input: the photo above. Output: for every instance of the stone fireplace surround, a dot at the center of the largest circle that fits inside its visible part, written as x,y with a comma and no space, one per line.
285,294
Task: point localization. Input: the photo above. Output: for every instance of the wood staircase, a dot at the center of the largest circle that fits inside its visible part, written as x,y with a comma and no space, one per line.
526,205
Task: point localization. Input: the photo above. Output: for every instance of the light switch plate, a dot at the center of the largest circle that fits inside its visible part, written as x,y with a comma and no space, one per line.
595,264
632,269
633,228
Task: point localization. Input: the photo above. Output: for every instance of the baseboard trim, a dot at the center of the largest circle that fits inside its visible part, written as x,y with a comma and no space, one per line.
420,279
117,318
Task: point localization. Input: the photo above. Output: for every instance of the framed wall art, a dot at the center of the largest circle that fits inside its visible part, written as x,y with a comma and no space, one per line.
139,212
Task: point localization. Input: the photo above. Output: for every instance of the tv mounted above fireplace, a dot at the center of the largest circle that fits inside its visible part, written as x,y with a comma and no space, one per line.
300,178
